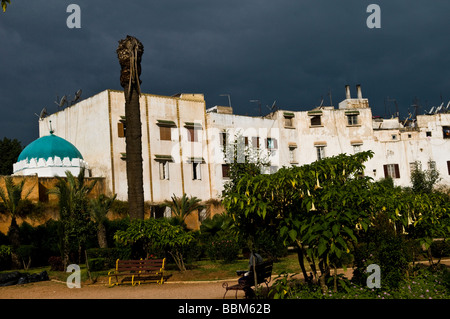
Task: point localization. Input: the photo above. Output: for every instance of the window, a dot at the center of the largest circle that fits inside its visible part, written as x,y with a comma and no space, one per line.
165,133
352,119
255,142
432,165
193,129
428,134
271,143
391,170
394,137
292,150
226,170
192,134
446,131
196,171
288,119
448,167
414,165
316,120
320,152
356,148
164,170
223,140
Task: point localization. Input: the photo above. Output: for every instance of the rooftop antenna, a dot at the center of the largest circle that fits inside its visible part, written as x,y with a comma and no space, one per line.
329,94
321,102
259,103
229,98
416,107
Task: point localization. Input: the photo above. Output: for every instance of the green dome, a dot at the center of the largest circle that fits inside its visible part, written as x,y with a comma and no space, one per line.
49,146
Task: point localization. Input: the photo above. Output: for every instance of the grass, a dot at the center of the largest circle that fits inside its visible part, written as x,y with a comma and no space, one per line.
202,270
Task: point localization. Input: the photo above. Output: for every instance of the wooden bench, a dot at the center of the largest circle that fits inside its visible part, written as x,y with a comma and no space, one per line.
263,275
137,271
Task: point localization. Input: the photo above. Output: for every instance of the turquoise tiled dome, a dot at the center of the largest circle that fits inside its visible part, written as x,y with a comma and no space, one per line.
49,146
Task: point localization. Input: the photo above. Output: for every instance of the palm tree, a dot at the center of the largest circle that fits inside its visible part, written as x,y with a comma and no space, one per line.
73,210
129,53
99,207
4,5
12,201
182,207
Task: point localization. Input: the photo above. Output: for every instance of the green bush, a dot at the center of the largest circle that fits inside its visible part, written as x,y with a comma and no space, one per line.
440,248
5,257
108,255
222,246
382,246
97,264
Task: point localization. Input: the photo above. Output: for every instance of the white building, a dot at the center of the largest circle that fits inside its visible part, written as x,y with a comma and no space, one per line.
183,142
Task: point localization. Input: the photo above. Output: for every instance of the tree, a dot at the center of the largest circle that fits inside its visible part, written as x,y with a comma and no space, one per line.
424,181
182,207
129,53
316,207
4,4
74,215
13,205
157,234
9,152
98,208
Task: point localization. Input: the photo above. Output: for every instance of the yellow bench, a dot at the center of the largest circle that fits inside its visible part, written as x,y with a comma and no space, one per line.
136,271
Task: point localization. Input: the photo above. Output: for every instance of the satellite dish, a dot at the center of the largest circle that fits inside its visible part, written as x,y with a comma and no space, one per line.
77,96
61,102
42,114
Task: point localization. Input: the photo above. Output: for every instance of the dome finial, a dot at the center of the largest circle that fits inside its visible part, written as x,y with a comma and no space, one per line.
51,130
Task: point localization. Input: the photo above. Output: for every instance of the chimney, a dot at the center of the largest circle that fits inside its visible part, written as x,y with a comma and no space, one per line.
358,90
347,92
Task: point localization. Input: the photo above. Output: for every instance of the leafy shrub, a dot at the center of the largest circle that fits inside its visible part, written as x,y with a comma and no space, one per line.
97,264
108,255
56,263
223,246
440,248
270,245
5,257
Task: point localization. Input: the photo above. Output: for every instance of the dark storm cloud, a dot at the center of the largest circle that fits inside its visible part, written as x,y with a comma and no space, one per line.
290,51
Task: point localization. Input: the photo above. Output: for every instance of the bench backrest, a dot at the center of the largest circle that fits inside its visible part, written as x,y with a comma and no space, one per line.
264,270
140,265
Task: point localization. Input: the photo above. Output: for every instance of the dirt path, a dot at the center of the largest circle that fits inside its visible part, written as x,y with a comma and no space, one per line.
170,290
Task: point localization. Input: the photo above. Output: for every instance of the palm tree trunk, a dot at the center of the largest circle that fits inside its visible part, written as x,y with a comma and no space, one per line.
14,238
129,53
101,236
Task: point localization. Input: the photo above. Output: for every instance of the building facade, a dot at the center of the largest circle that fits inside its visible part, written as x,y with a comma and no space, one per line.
184,144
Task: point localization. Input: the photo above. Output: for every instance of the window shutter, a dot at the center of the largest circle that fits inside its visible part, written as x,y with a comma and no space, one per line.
165,133
120,130
386,175
397,171
225,170
199,171
448,167
161,170
275,143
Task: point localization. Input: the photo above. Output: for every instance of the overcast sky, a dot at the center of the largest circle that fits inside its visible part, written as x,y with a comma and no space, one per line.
291,51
